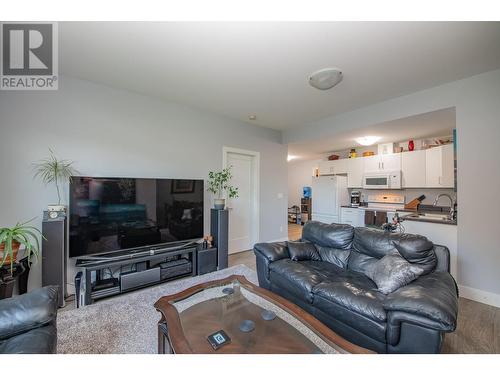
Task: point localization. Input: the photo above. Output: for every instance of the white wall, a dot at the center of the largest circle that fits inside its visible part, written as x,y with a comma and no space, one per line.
299,175
110,132
477,103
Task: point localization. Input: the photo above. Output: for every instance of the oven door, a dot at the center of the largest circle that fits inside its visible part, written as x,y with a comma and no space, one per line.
376,181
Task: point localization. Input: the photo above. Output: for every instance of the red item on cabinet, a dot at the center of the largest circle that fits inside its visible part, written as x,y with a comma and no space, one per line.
411,145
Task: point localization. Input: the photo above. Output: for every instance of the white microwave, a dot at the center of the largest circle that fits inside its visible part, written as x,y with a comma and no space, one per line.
382,180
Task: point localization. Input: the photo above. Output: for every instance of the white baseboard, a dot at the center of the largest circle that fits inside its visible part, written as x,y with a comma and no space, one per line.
479,295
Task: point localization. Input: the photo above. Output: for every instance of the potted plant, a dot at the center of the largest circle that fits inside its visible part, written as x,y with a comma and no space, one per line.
218,184
53,170
11,239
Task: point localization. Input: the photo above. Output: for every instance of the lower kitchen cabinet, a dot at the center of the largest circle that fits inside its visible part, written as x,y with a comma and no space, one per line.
352,216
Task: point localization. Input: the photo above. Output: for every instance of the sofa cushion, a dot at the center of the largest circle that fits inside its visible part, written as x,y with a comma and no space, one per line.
361,263
324,269
332,255
295,277
392,272
373,242
338,236
355,292
302,251
417,250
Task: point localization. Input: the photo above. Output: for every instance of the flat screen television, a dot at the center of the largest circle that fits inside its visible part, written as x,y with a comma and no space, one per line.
110,214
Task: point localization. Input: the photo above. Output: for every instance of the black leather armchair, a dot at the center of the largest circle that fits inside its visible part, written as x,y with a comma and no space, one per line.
337,290
28,322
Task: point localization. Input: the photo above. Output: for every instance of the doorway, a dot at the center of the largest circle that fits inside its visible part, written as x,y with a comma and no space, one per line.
244,210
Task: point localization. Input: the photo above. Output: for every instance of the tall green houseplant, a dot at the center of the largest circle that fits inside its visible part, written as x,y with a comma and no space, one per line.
218,184
54,170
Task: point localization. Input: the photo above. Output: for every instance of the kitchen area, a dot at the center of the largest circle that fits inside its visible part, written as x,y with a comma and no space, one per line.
406,186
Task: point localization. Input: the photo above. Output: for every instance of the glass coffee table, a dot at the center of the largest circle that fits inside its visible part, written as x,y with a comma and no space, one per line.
253,320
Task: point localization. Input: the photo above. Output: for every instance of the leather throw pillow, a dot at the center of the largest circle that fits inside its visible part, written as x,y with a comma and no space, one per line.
302,251
393,272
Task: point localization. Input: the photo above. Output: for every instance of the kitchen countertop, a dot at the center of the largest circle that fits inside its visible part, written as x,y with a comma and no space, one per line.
424,220
364,208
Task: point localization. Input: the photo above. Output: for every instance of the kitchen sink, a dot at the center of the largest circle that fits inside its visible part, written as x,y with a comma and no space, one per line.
431,216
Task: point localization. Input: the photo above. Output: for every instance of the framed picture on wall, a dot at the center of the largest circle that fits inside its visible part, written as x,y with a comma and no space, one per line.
182,186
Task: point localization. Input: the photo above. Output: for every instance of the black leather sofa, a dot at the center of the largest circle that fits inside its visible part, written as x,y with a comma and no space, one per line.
336,290
28,322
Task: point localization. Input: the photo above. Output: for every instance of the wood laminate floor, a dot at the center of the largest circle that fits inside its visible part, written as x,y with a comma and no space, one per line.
478,329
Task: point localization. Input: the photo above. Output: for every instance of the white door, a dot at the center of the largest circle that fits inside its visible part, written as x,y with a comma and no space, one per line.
242,210
433,167
448,159
391,162
413,169
372,163
355,173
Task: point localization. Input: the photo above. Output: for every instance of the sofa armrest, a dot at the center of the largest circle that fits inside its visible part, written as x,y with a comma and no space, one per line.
443,258
265,254
272,251
28,311
431,301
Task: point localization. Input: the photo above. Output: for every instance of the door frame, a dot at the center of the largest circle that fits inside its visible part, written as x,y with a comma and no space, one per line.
255,231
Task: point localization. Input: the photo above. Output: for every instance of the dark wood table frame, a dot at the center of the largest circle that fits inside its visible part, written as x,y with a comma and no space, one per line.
171,337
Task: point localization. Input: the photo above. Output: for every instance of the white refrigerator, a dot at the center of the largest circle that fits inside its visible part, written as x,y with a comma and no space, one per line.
328,194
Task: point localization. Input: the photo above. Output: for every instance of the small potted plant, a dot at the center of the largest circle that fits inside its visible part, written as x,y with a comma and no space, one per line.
57,171
218,184
11,239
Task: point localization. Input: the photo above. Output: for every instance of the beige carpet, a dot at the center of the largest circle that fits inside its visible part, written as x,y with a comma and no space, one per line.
126,323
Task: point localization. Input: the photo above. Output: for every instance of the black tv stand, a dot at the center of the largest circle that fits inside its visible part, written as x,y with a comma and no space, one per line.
108,274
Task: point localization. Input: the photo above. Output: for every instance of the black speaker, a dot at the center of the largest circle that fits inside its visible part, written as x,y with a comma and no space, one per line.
54,254
78,289
206,261
219,229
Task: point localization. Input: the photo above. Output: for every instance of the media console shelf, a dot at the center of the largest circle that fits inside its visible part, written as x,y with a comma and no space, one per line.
102,276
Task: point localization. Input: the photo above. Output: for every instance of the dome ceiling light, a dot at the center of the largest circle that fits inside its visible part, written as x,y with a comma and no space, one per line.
368,140
325,79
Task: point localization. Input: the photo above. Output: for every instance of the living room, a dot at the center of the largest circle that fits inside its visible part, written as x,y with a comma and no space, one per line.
157,173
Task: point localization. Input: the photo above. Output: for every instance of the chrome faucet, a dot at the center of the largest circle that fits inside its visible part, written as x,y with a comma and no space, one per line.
452,204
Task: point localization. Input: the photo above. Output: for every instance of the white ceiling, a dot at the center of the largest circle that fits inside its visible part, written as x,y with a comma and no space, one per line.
240,69
427,125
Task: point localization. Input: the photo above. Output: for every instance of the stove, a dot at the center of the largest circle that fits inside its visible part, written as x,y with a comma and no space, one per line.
385,202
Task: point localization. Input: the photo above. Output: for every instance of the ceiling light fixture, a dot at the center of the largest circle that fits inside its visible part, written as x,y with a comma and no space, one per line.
252,117
368,140
325,79
291,157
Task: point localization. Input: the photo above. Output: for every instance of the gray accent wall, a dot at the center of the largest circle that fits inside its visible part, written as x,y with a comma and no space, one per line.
110,132
477,103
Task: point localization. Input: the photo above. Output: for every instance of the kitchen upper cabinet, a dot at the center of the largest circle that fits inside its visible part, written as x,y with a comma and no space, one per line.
439,165
372,163
382,163
355,170
331,167
413,167
391,162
